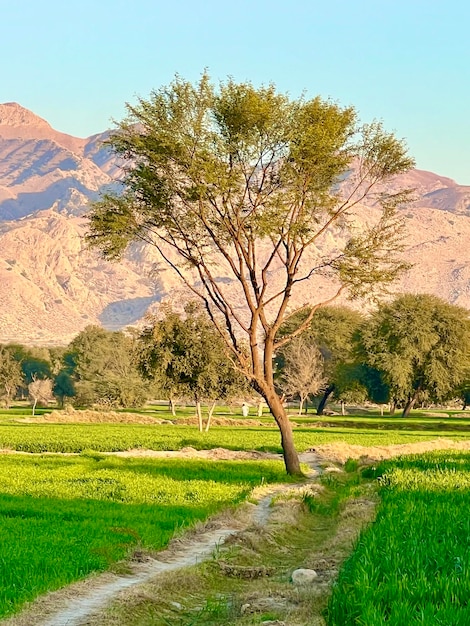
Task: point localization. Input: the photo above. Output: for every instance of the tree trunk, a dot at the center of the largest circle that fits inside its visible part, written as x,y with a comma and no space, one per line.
343,412
301,406
172,406
260,408
34,404
410,403
328,391
291,458
209,416
393,406
199,414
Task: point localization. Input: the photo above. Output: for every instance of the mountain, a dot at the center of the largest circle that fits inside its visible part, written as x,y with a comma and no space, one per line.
41,168
52,286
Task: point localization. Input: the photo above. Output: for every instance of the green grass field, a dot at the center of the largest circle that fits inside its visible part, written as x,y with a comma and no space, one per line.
115,437
64,517
412,566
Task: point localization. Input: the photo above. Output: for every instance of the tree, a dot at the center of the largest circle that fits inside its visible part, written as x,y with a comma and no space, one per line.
11,376
104,368
244,181
186,356
302,372
63,387
40,390
35,363
420,344
333,330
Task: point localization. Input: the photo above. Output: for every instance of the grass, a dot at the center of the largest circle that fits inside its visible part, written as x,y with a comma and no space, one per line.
62,518
114,437
307,529
412,566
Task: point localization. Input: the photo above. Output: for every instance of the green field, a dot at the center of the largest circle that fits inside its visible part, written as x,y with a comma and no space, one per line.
115,437
412,566
64,517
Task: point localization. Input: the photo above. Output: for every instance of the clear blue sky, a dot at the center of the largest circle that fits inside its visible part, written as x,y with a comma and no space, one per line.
406,62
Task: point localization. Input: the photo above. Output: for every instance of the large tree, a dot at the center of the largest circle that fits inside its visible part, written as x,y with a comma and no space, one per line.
420,344
246,182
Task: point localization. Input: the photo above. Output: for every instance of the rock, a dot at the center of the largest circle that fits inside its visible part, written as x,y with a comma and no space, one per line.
304,576
176,605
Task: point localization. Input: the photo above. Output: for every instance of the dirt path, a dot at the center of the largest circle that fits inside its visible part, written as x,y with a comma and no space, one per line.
73,605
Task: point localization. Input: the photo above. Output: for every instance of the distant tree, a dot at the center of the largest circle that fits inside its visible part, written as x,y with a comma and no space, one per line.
40,391
463,392
187,356
246,181
333,330
63,387
302,373
105,370
11,376
419,343
34,361
349,385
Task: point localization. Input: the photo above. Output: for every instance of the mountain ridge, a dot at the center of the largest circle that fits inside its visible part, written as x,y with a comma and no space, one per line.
52,286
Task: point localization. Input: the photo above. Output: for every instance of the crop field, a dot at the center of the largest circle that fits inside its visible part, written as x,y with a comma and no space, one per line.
114,437
412,566
64,517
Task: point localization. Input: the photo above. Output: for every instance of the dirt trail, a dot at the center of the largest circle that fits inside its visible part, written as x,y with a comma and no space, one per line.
74,605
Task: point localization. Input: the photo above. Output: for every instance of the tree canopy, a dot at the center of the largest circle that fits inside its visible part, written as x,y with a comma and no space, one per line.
11,376
420,344
246,182
103,366
186,356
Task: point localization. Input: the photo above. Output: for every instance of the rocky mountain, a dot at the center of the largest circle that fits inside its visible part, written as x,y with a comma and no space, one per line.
51,286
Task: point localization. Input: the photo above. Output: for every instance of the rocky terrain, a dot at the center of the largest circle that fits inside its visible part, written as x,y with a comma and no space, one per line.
51,286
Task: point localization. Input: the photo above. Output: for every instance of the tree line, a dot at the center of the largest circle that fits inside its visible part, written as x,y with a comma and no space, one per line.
415,348
176,356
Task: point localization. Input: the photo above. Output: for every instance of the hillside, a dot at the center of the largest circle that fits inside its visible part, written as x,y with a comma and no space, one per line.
51,286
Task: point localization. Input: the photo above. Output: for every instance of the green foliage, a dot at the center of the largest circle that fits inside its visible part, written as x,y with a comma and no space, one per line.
11,376
333,329
63,518
412,565
63,387
419,343
187,357
35,362
103,365
245,179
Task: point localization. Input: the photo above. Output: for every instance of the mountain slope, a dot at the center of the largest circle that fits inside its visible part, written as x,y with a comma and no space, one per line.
51,286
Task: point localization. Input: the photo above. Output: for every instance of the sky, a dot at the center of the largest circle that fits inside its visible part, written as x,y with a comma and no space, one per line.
404,62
